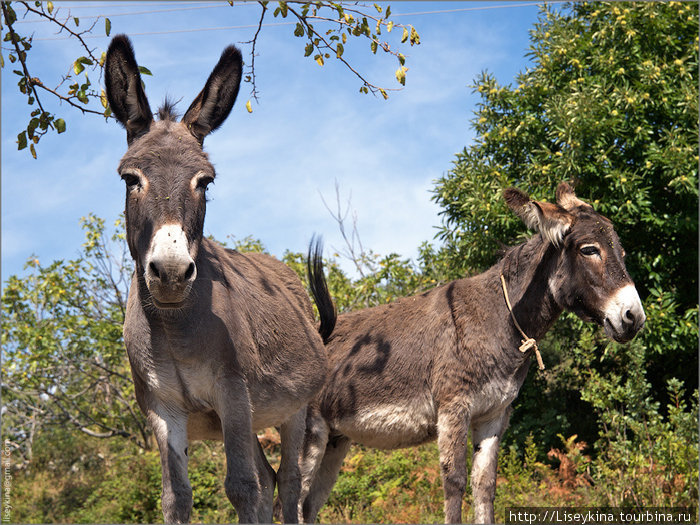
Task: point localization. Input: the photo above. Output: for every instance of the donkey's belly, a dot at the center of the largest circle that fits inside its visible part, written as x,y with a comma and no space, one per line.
274,414
406,423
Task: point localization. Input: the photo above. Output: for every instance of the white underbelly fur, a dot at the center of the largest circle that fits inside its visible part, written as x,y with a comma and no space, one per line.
392,426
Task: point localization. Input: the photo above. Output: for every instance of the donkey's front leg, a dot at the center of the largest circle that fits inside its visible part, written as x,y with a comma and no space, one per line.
453,424
242,483
289,475
169,425
486,436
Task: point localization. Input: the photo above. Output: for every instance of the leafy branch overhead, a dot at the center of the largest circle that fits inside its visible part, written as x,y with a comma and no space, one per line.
327,27
346,21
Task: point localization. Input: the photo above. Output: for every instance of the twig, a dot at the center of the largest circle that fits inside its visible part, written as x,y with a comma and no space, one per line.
254,41
64,26
38,82
326,45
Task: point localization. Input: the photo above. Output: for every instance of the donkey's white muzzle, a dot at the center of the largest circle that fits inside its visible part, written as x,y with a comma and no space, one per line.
170,270
624,314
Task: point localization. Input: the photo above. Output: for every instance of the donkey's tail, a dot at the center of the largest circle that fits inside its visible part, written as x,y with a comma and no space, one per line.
319,288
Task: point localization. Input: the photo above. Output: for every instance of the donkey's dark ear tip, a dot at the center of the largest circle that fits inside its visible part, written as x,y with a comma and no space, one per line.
515,198
120,41
232,54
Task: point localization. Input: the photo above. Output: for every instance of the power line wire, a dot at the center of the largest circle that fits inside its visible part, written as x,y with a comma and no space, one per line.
274,24
133,13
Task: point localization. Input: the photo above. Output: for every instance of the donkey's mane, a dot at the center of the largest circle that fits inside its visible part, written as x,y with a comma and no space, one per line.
167,111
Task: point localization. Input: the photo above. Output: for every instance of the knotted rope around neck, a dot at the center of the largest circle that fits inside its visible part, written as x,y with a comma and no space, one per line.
527,342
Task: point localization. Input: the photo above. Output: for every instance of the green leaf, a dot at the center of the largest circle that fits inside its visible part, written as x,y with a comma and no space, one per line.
22,140
404,37
49,7
78,67
309,49
76,20
60,125
339,50
108,26
145,71
283,9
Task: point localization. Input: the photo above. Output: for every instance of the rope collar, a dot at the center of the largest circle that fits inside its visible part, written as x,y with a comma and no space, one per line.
528,342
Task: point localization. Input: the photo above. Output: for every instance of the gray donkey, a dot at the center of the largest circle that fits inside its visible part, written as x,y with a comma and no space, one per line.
433,365
221,344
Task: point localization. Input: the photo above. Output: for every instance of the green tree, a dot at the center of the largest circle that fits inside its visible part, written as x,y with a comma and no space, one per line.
610,102
63,357
325,27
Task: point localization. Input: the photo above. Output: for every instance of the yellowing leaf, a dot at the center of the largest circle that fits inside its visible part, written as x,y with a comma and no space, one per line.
249,107
401,75
319,60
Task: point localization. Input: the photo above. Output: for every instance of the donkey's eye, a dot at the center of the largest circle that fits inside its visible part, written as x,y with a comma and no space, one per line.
132,181
589,250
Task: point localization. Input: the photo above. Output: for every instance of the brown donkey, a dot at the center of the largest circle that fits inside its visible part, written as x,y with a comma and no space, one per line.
221,344
432,365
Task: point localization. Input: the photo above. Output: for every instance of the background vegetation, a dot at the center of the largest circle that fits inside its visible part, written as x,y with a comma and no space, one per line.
610,103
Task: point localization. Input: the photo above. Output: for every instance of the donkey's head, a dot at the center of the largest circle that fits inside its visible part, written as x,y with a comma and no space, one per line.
590,278
165,169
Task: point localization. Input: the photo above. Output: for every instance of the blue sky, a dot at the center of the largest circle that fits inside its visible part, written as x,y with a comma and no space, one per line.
311,129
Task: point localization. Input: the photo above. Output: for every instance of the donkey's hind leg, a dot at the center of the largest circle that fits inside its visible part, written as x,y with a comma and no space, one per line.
315,440
289,476
266,478
335,451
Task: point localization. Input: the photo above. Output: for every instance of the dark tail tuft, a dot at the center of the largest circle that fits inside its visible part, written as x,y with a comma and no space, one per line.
319,288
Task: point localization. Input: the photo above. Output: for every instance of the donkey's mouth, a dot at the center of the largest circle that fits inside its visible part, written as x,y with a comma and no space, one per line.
619,336
167,305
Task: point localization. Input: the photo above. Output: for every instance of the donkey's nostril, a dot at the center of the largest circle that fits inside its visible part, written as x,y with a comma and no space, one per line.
629,316
189,271
154,270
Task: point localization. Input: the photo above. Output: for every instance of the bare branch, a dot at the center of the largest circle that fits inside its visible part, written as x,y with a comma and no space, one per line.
254,41
355,252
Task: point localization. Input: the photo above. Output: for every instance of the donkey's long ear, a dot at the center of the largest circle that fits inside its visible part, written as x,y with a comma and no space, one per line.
124,90
551,220
213,104
567,199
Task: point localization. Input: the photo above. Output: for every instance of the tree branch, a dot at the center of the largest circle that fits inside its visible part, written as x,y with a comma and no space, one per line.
22,57
38,82
64,26
254,41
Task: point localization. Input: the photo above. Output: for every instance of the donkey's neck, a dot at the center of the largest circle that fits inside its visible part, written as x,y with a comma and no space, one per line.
527,269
